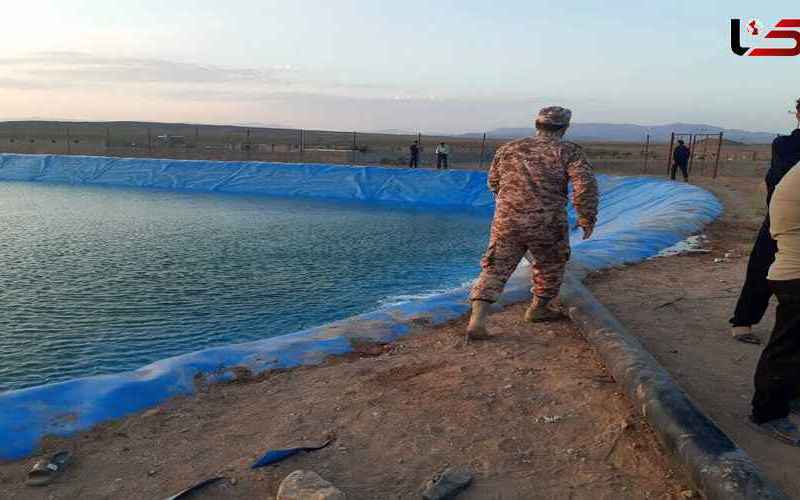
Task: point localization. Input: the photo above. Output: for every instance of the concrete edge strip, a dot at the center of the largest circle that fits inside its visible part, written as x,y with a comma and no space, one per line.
718,467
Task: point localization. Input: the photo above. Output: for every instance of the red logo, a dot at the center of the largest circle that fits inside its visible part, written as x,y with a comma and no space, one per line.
786,29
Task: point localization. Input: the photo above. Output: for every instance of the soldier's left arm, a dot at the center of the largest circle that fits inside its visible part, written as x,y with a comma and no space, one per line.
585,194
495,171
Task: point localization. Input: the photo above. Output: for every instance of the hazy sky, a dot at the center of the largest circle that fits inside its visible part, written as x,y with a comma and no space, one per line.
446,66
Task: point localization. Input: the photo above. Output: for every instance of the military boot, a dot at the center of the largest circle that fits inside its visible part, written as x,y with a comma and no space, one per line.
476,330
541,310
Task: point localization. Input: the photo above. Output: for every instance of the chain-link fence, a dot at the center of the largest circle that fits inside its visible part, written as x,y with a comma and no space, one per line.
210,142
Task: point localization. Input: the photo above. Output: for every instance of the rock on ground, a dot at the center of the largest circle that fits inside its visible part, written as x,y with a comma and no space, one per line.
307,485
446,485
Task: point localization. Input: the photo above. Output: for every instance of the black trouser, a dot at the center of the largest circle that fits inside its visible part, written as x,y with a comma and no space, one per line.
777,378
675,166
441,160
414,162
754,297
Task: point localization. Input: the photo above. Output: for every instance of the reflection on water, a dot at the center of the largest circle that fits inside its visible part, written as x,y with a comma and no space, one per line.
99,280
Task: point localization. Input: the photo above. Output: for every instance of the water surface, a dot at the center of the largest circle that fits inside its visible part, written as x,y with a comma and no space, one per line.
97,280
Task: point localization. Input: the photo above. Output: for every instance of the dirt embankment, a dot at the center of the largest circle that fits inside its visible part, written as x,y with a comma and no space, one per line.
532,413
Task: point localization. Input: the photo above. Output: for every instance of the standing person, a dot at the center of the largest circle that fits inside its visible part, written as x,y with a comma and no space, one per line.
529,178
754,297
776,378
413,151
442,153
680,158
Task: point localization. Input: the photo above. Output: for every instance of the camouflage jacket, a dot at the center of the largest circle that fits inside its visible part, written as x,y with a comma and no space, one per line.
530,177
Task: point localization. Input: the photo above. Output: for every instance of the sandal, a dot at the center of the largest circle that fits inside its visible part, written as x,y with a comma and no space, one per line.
745,334
45,471
190,491
781,429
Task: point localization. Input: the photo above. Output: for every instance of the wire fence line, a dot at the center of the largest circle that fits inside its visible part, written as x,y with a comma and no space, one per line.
231,143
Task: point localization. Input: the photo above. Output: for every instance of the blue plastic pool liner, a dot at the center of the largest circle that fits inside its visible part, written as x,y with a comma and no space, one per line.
638,218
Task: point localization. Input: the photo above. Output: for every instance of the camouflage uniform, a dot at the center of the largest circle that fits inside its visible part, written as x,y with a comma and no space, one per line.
529,178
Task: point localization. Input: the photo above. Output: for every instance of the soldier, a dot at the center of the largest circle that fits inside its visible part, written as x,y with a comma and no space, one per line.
529,178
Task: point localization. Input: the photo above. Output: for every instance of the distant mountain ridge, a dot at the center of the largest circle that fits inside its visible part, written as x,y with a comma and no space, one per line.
635,133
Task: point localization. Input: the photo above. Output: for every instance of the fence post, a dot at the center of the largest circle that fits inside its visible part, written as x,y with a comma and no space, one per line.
419,145
719,152
302,145
69,146
646,153
669,155
483,149
355,146
692,144
247,145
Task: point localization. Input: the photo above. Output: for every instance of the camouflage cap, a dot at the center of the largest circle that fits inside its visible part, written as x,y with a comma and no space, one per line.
554,115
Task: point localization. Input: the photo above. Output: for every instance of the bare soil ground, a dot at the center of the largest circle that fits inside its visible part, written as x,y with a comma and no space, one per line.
532,412
680,306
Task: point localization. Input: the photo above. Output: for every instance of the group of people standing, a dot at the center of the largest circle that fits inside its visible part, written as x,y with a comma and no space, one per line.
529,178
774,269
442,155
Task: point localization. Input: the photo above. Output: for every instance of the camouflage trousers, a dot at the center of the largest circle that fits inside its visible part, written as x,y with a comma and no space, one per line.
506,249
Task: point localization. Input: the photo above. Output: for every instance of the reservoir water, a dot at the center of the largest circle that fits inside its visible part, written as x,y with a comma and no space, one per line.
97,280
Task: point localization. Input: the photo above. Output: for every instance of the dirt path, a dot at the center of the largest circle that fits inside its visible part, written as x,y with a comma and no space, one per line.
680,306
532,413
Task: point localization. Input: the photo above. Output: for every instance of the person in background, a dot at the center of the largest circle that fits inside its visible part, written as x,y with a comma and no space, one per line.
442,154
414,153
754,297
529,178
680,158
776,379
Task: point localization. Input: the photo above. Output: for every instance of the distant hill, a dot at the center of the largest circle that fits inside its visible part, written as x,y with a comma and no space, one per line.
602,132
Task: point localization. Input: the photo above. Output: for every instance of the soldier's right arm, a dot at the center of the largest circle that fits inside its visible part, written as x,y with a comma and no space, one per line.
495,171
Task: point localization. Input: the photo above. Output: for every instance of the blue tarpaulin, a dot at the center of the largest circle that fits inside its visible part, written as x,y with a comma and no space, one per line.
638,218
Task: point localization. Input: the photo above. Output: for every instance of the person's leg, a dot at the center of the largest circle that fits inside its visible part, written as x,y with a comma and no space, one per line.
754,297
438,161
498,263
444,161
777,377
547,272
685,172
672,170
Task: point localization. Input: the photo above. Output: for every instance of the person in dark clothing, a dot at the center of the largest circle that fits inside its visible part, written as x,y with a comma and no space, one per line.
680,158
755,295
414,152
776,381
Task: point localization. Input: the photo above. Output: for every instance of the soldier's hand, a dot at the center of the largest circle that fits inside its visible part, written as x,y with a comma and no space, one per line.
587,232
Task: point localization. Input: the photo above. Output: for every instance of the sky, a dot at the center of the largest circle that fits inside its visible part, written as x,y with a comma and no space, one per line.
445,66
